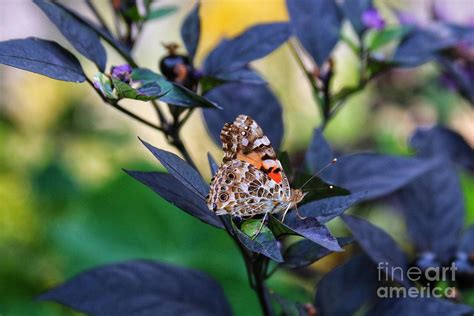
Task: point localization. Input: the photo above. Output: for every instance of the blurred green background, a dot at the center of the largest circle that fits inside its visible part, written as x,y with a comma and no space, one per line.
65,204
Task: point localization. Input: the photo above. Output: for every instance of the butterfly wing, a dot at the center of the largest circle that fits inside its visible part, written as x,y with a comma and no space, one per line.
239,189
244,137
244,140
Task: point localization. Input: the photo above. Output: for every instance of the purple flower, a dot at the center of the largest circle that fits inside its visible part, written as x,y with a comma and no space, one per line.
406,18
372,19
448,82
197,74
122,72
96,83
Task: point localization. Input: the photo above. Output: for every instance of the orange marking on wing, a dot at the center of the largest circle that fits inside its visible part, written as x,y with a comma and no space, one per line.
251,158
255,160
275,176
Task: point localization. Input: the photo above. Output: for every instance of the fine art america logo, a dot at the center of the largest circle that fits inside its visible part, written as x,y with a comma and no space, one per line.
432,277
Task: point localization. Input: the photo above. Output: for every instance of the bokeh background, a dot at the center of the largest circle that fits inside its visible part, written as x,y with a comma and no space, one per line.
66,205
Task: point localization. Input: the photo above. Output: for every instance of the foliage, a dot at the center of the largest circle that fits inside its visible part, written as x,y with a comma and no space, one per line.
424,186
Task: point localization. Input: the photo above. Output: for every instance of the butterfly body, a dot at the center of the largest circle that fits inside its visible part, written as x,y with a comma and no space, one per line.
251,180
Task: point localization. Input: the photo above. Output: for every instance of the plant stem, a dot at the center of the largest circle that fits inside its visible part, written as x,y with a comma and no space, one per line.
339,100
161,117
102,34
256,269
327,93
98,16
260,287
186,117
309,76
124,110
179,145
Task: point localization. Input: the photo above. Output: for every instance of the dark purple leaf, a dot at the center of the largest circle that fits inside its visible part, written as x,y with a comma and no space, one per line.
288,307
173,191
305,252
380,247
141,287
460,76
43,57
433,205
421,45
191,31
150,90
376,175
464,33
308,228
326,209
79,34
419,306
315,188
180,169
105,34
317,24
441,141
254,100
254,43
212,164
353,10
171,92
319,153
243,75
346,288
264,243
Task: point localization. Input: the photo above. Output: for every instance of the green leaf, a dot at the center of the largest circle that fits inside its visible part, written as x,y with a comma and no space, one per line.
124,90
161,12
102,82
250,228
171,93
278,228
132,14
182,96
149,91
378,39
209,83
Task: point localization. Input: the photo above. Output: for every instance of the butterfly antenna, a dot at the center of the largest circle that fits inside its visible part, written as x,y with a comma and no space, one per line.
319,172
320,189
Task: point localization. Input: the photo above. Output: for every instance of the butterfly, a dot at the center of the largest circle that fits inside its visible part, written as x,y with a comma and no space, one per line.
251,180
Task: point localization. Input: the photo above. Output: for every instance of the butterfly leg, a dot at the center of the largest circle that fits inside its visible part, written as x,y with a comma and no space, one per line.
261,224
284,214
298,213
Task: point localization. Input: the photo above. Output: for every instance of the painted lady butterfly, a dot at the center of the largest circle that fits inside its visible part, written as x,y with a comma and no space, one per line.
250,180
